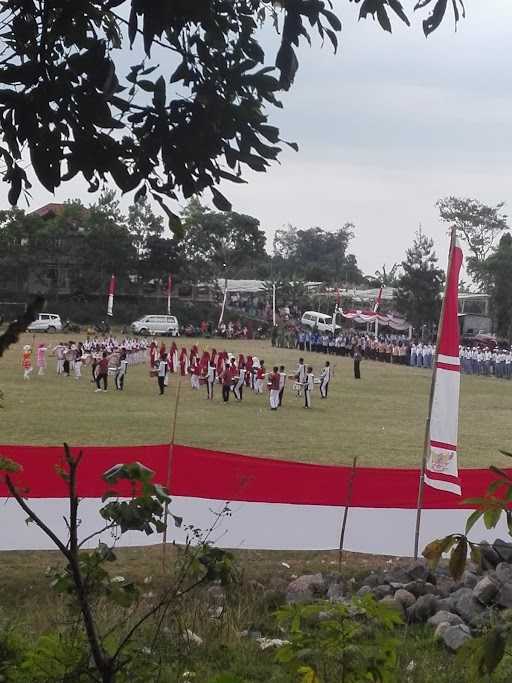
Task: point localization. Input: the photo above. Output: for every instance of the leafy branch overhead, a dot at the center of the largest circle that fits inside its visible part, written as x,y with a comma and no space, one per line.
189,115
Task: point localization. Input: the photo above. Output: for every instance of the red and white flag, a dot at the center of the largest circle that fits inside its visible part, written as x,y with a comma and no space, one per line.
169,288
441,468
111,290
377,301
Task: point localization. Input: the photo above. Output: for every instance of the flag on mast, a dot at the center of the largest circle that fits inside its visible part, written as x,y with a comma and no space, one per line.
111,290
169,288
378,300
441,470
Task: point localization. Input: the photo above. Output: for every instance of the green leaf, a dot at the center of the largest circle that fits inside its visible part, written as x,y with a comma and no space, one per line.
146,85
492,517
220,202
159,94
8,465
493,651
472,520
458,559
475,554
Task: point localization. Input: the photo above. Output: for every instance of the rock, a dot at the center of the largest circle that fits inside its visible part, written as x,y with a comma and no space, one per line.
452,599
445,617
373,580
383,591
503,549
396,585
305,587
398,575
468,607
444,604
485,590
440,629
445,585
490,558
424,607
364,590
335,592
404,597
504,596
504,572
417,588
469,580
420,570
454,637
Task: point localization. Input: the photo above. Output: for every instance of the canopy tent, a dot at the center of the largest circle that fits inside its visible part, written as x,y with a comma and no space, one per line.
367,316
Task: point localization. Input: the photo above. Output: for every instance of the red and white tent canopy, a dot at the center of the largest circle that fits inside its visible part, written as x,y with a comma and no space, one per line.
368,316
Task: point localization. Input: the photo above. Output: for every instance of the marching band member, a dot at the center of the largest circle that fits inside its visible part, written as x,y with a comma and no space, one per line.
41,358
273,385
309,383
300,376
325,378
238,388
210,375
260,376
27,361
282,384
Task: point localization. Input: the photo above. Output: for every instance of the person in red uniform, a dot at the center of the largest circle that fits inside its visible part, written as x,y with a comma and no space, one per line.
102,372
152,354
226,383
260,377
183,362
248,371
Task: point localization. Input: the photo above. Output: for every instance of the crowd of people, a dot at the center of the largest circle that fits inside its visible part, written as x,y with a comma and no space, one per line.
234,374
104,357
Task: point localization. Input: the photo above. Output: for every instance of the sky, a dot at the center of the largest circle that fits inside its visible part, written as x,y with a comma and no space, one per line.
385,128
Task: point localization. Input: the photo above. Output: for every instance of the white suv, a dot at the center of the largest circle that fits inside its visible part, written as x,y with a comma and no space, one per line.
46,322
156,324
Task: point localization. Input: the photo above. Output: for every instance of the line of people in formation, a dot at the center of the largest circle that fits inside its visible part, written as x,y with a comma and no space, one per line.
104,358
483,361
235,374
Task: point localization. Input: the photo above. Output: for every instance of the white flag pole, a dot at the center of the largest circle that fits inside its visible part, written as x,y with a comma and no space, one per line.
426,441
223,302
110,302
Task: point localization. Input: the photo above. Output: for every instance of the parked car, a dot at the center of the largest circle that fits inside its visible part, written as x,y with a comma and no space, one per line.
156,324
320,320
46,322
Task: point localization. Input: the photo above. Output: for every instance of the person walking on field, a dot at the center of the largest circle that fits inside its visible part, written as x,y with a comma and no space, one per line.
121,370
273,385
282,384
226,383
41,358
325,378
357,362
300,376
102,372
162,373
309,383
239,386
27,361
211,374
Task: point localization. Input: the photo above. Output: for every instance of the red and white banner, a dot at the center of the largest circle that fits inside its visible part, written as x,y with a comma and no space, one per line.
367,316
274,504
441,468
111,292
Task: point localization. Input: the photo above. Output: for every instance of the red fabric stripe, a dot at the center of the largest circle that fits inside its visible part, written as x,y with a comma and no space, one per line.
441,476
224,476
448,366
448,344
445,446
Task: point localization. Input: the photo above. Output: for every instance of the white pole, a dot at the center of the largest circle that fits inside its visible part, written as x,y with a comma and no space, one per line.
376,327
274,304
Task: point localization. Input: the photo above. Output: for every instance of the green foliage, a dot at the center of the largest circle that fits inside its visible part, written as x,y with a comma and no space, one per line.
329,643
496,272
53,658
419,286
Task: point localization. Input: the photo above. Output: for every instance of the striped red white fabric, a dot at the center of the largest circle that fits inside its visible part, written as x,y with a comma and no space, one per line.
111,292
441,467
274,504
377,301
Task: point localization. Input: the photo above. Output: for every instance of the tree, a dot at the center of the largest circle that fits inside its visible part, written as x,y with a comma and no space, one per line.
419,287
497,273
316,254
384,277
67,105
219,244
143,224
478,224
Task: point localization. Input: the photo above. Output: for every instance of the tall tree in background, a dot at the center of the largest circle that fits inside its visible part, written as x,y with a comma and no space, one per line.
497,273
143,224
418,296
316,254
478,225
219,244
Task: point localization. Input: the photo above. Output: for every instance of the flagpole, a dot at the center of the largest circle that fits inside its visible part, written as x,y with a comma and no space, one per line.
169,283
274,304
426,441
169,466
223,301
347,506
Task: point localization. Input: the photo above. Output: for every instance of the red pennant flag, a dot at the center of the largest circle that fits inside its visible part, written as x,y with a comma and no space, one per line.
111,291
441,467
378,300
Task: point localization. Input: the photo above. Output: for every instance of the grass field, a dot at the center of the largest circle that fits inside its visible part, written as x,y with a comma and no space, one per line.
380,418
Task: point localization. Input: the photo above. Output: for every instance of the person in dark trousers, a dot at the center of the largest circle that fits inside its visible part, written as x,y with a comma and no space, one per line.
121,370
282,384
102,372
162,372
226,383
357,362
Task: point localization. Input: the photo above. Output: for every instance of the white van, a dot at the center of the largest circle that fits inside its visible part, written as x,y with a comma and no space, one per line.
320,320
156,324
46,322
